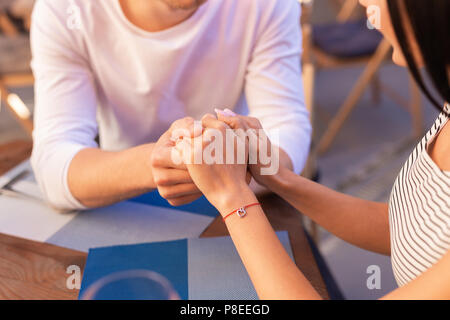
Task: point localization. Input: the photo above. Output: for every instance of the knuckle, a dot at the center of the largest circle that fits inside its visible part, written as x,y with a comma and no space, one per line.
183,122
176,124
161,181
155,160
175,202
188,121
207,116
163,192
179,132
167,192
240,123
221,126
253,121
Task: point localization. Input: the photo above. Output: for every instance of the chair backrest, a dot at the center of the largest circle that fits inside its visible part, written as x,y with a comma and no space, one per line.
347,10
22,9
10,77
6,25
307,60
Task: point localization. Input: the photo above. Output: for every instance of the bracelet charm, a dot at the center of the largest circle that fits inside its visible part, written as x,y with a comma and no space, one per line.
241,212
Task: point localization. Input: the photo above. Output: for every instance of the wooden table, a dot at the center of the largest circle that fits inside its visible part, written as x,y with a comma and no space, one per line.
32,270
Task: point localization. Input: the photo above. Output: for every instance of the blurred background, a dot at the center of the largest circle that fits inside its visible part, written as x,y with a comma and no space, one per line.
367,116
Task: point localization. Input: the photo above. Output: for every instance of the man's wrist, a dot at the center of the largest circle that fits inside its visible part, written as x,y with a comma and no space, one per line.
148,176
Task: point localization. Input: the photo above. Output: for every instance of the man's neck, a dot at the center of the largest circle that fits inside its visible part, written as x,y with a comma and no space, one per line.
154,16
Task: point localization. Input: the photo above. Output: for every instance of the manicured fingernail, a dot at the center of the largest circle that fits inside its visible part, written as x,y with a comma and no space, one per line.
230,113
221,112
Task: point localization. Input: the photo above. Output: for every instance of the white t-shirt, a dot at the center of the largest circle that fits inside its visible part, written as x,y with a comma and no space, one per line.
97,73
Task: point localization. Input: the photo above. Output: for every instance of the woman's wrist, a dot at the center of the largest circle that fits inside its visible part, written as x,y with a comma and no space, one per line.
235,198
279,181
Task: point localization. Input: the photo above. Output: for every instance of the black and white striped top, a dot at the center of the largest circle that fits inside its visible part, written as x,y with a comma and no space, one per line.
419,212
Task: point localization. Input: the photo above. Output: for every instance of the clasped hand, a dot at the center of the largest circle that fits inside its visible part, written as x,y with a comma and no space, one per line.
210,158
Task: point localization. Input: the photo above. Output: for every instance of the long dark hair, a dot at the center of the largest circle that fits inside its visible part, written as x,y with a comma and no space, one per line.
430,23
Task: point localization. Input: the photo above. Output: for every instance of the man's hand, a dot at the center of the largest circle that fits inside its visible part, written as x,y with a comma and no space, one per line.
173,180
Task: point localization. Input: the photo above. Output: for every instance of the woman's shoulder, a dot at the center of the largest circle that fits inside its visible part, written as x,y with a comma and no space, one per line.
439,147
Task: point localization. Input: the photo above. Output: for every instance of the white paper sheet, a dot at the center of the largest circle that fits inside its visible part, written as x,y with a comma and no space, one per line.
123,223
29,219
14,172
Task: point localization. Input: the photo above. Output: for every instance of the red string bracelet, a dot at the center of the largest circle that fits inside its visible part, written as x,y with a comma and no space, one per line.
241,212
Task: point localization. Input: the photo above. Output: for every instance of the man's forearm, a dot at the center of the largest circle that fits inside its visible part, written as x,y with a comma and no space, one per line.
360,222
98,178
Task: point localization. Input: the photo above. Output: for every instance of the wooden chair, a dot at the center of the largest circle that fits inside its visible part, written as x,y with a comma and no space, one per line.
22,9
346,9
308,77
322,60
314,59
14,69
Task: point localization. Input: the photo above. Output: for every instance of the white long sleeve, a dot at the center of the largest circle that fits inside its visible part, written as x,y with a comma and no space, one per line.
274,87
65,112
109,78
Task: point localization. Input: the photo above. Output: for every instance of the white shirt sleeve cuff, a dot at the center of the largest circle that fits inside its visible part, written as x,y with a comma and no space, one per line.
51,170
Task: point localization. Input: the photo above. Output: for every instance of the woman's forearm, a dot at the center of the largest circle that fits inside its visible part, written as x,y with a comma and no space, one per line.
360,222
98,178
273,273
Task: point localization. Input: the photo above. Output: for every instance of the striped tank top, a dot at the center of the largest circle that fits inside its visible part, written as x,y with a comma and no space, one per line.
419,212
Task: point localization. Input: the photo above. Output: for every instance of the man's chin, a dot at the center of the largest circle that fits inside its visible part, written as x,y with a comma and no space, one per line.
185,4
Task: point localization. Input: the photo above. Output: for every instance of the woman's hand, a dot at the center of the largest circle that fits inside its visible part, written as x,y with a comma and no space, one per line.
264,158
217,163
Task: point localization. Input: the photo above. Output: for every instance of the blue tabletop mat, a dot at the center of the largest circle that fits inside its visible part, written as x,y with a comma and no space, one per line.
200,206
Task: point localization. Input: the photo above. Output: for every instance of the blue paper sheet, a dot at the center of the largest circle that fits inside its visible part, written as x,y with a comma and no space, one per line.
169,259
